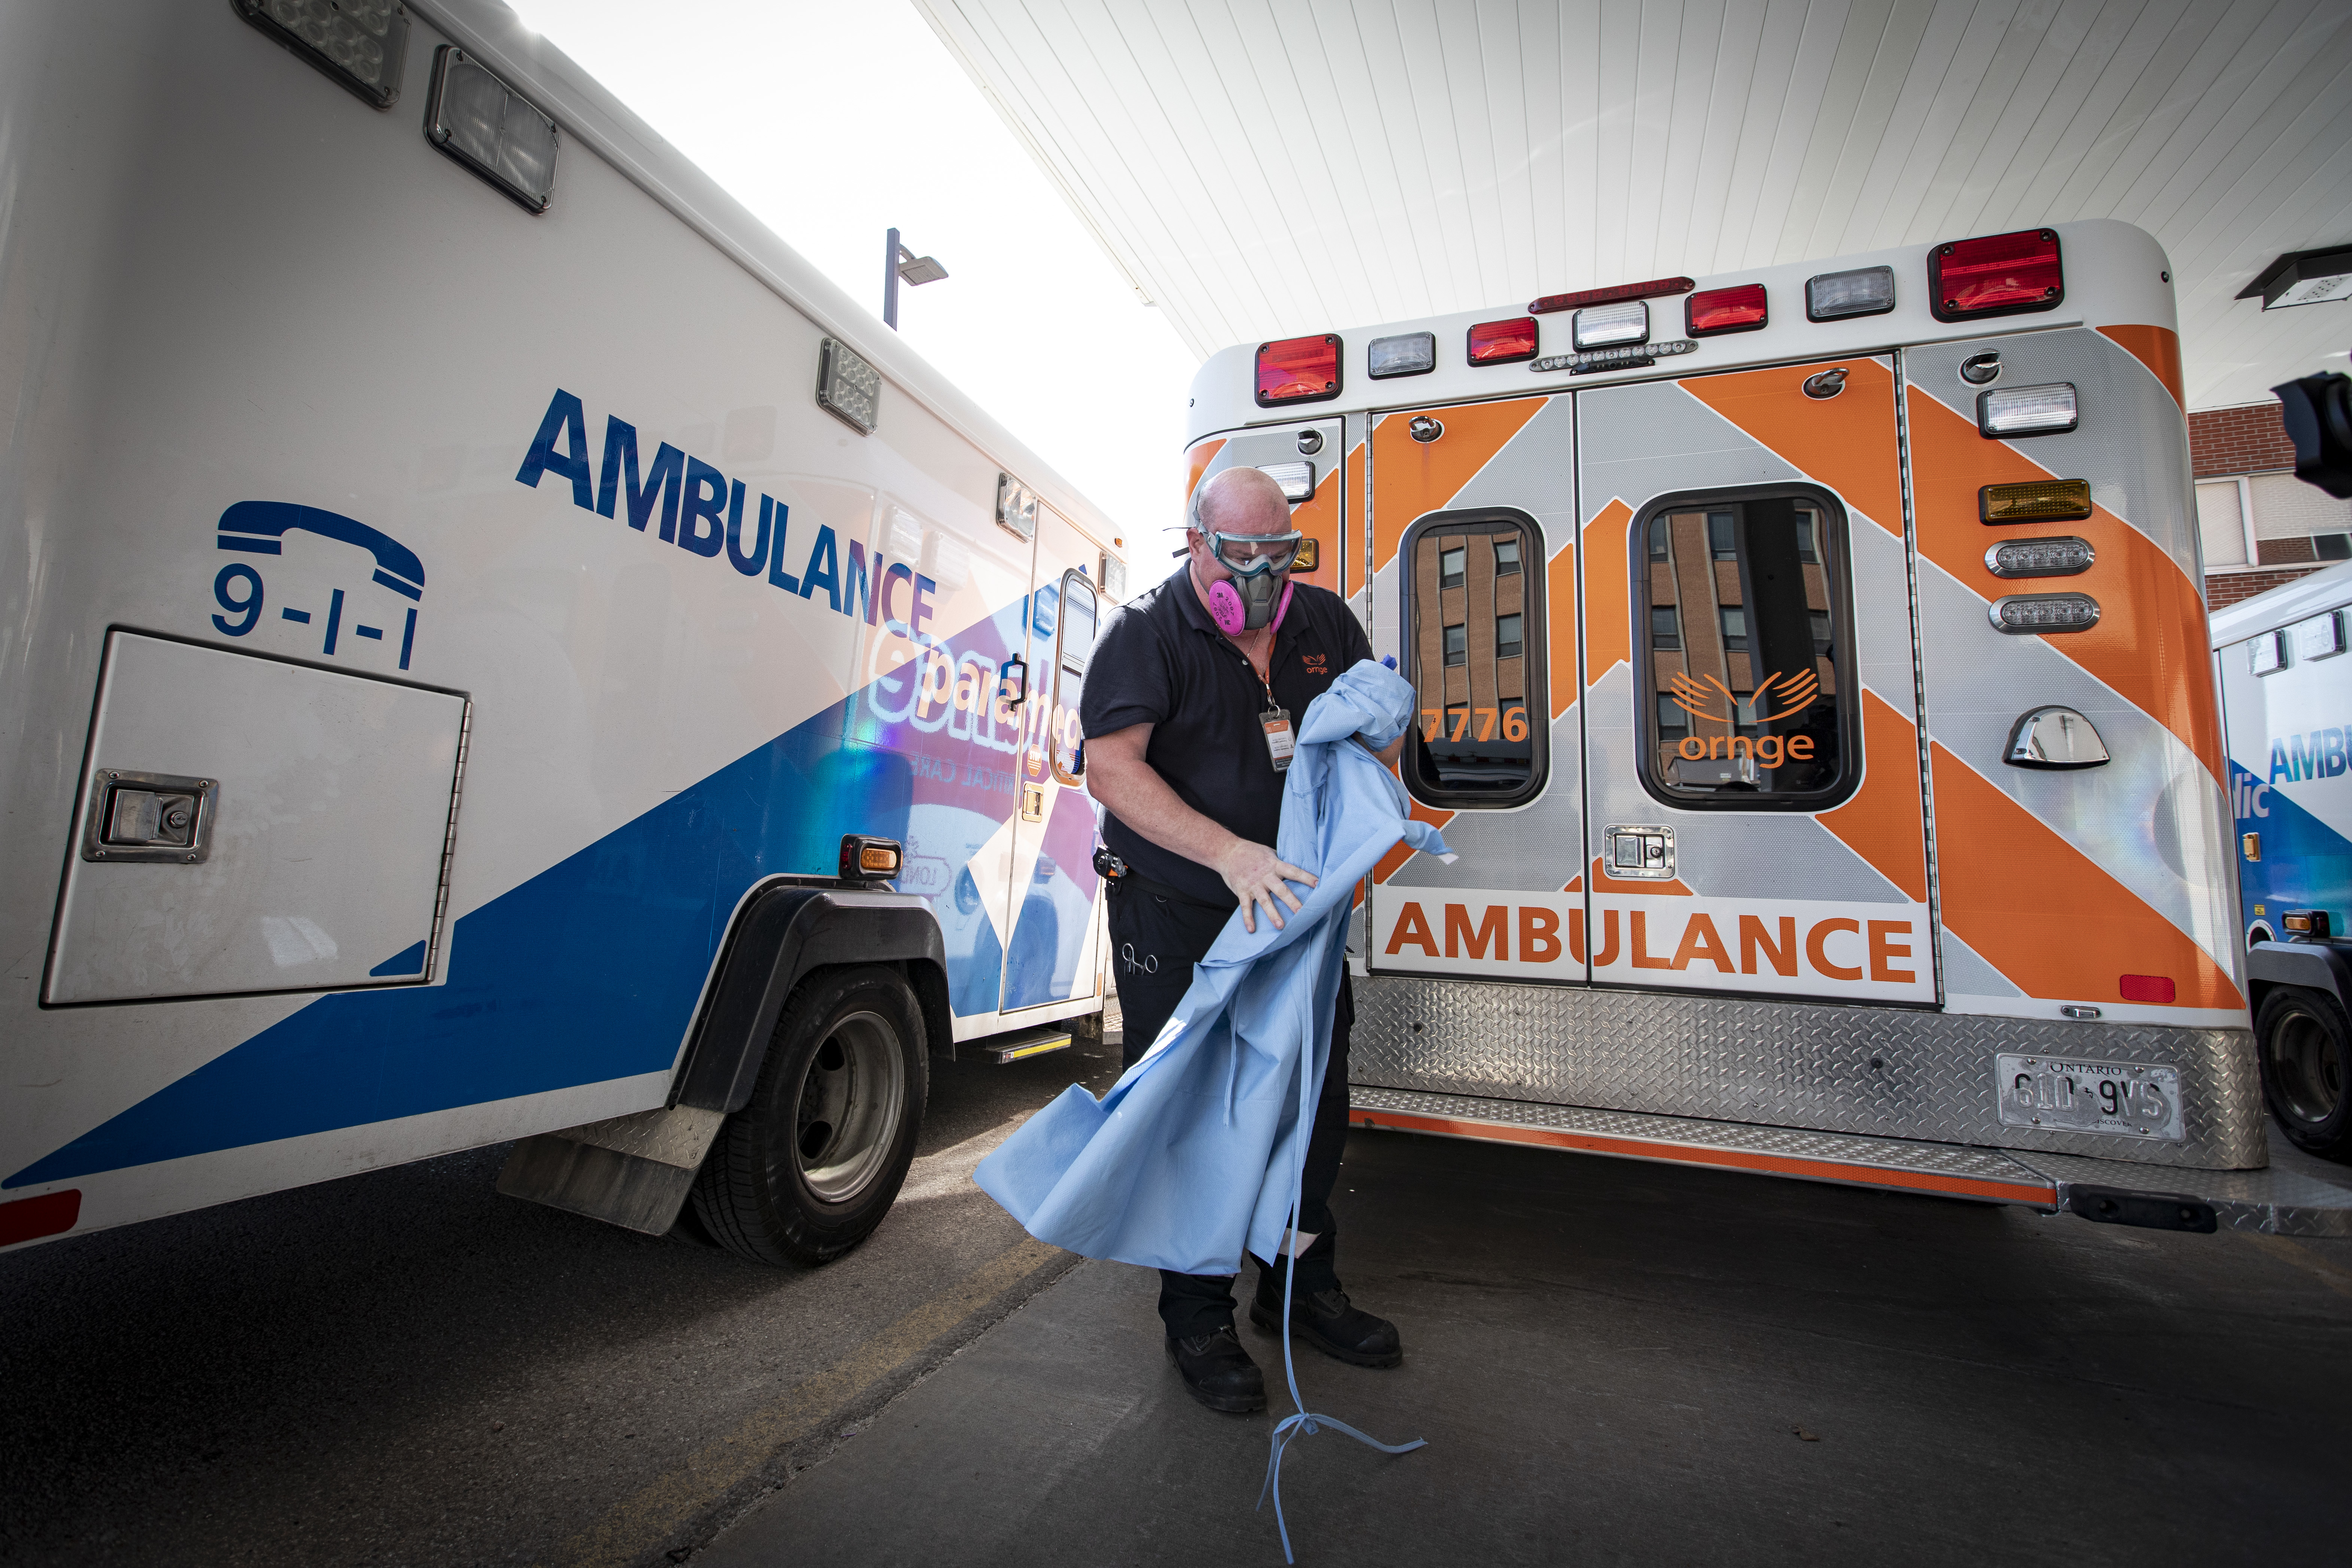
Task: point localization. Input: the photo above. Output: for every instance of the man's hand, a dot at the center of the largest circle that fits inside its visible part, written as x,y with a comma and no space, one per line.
1258,877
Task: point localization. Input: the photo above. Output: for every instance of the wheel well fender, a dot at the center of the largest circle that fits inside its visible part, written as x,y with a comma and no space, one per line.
2313,965
782,933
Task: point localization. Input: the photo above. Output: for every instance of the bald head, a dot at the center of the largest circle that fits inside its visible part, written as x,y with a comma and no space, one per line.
1240,500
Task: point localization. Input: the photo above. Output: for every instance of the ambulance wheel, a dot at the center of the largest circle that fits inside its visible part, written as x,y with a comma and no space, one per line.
807,1169
2306,1049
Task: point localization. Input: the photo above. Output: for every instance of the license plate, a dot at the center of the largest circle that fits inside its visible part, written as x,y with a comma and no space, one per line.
2129,1100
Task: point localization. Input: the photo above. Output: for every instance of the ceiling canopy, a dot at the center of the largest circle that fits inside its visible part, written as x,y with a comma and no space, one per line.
1268,167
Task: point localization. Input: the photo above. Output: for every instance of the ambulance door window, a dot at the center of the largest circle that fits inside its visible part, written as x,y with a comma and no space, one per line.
1743,606
1474,613
1076,646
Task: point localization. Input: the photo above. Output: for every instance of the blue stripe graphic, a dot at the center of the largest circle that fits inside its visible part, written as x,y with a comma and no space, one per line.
587,972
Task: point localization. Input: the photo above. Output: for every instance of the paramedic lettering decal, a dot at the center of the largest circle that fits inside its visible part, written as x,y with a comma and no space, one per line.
329,595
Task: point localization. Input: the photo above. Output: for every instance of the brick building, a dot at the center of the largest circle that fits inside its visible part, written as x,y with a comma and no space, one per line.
2261,526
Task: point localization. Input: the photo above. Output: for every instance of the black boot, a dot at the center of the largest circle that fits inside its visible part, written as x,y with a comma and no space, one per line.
1327,1320
1217,1372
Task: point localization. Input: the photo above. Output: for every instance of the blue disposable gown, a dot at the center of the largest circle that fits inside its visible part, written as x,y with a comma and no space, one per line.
1194,1152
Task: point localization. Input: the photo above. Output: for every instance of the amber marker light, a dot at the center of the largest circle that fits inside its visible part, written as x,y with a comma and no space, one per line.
2035,501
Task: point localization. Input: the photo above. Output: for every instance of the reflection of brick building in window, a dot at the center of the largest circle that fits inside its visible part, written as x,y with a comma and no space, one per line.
2260,526
1699,629
1478,583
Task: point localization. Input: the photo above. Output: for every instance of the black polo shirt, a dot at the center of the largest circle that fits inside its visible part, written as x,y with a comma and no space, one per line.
1162,661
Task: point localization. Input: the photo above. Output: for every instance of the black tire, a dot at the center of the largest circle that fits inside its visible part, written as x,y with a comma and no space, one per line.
2306,1048
807,1169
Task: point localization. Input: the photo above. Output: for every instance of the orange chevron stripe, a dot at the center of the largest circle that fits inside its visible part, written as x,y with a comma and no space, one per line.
1395,858
2043,913
2158,348
2150,642
1417,477
1882,823
1603,882
1200,458
1608,619
1317,517
1559,610
1846,442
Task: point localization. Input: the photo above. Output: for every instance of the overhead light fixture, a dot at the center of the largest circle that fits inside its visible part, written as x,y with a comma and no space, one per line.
2303,277
902,265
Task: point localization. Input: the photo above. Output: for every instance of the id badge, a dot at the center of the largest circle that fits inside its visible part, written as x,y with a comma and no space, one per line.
1279,743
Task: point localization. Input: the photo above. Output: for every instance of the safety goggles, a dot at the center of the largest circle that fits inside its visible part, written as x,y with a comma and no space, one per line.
1247,554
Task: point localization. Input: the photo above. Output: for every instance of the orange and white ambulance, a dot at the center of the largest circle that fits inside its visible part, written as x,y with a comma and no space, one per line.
1814,685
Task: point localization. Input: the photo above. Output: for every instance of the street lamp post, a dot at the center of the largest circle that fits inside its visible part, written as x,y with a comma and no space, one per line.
899,262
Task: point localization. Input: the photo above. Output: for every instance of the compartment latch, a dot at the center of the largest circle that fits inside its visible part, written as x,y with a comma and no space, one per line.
1643,851
152,817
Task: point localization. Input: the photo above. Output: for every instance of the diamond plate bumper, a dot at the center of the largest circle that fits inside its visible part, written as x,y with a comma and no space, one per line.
2302,1196
1879,1072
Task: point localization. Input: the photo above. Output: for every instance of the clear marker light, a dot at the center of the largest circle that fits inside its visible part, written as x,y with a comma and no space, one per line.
2022,614
2027,410
479,120
1605,326
1296,479
362,41
1409,354
2040,558
1865,291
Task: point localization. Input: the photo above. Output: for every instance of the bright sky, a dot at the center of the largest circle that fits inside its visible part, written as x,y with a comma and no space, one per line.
834,122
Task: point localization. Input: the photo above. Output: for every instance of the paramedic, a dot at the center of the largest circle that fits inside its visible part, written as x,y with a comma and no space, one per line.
1195,694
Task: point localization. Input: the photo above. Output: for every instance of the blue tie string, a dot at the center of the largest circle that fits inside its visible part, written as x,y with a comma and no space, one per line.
1302,1423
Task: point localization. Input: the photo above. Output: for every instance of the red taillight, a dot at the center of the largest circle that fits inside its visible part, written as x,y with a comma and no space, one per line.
1611,295
1297,369
1501,343
2146,987
1998,275
1740,310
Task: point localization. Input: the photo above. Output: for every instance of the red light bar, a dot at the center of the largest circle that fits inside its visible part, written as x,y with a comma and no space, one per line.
1297,369
1996,275
1736,309
1610,296
1502,342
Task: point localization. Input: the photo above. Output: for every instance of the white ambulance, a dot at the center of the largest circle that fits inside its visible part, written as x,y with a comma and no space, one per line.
1813,681
497,648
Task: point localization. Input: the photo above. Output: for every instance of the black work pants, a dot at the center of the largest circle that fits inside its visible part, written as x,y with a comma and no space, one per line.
1156,934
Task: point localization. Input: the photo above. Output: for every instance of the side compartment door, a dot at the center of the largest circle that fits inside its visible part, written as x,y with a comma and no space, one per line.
1752,749
1054,889
1474,530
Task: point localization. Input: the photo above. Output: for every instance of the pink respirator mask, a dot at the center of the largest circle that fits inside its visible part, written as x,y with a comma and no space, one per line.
1258,594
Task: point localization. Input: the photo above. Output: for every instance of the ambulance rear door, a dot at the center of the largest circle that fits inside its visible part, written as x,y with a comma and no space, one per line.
1474,595
1755,814
1049,956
